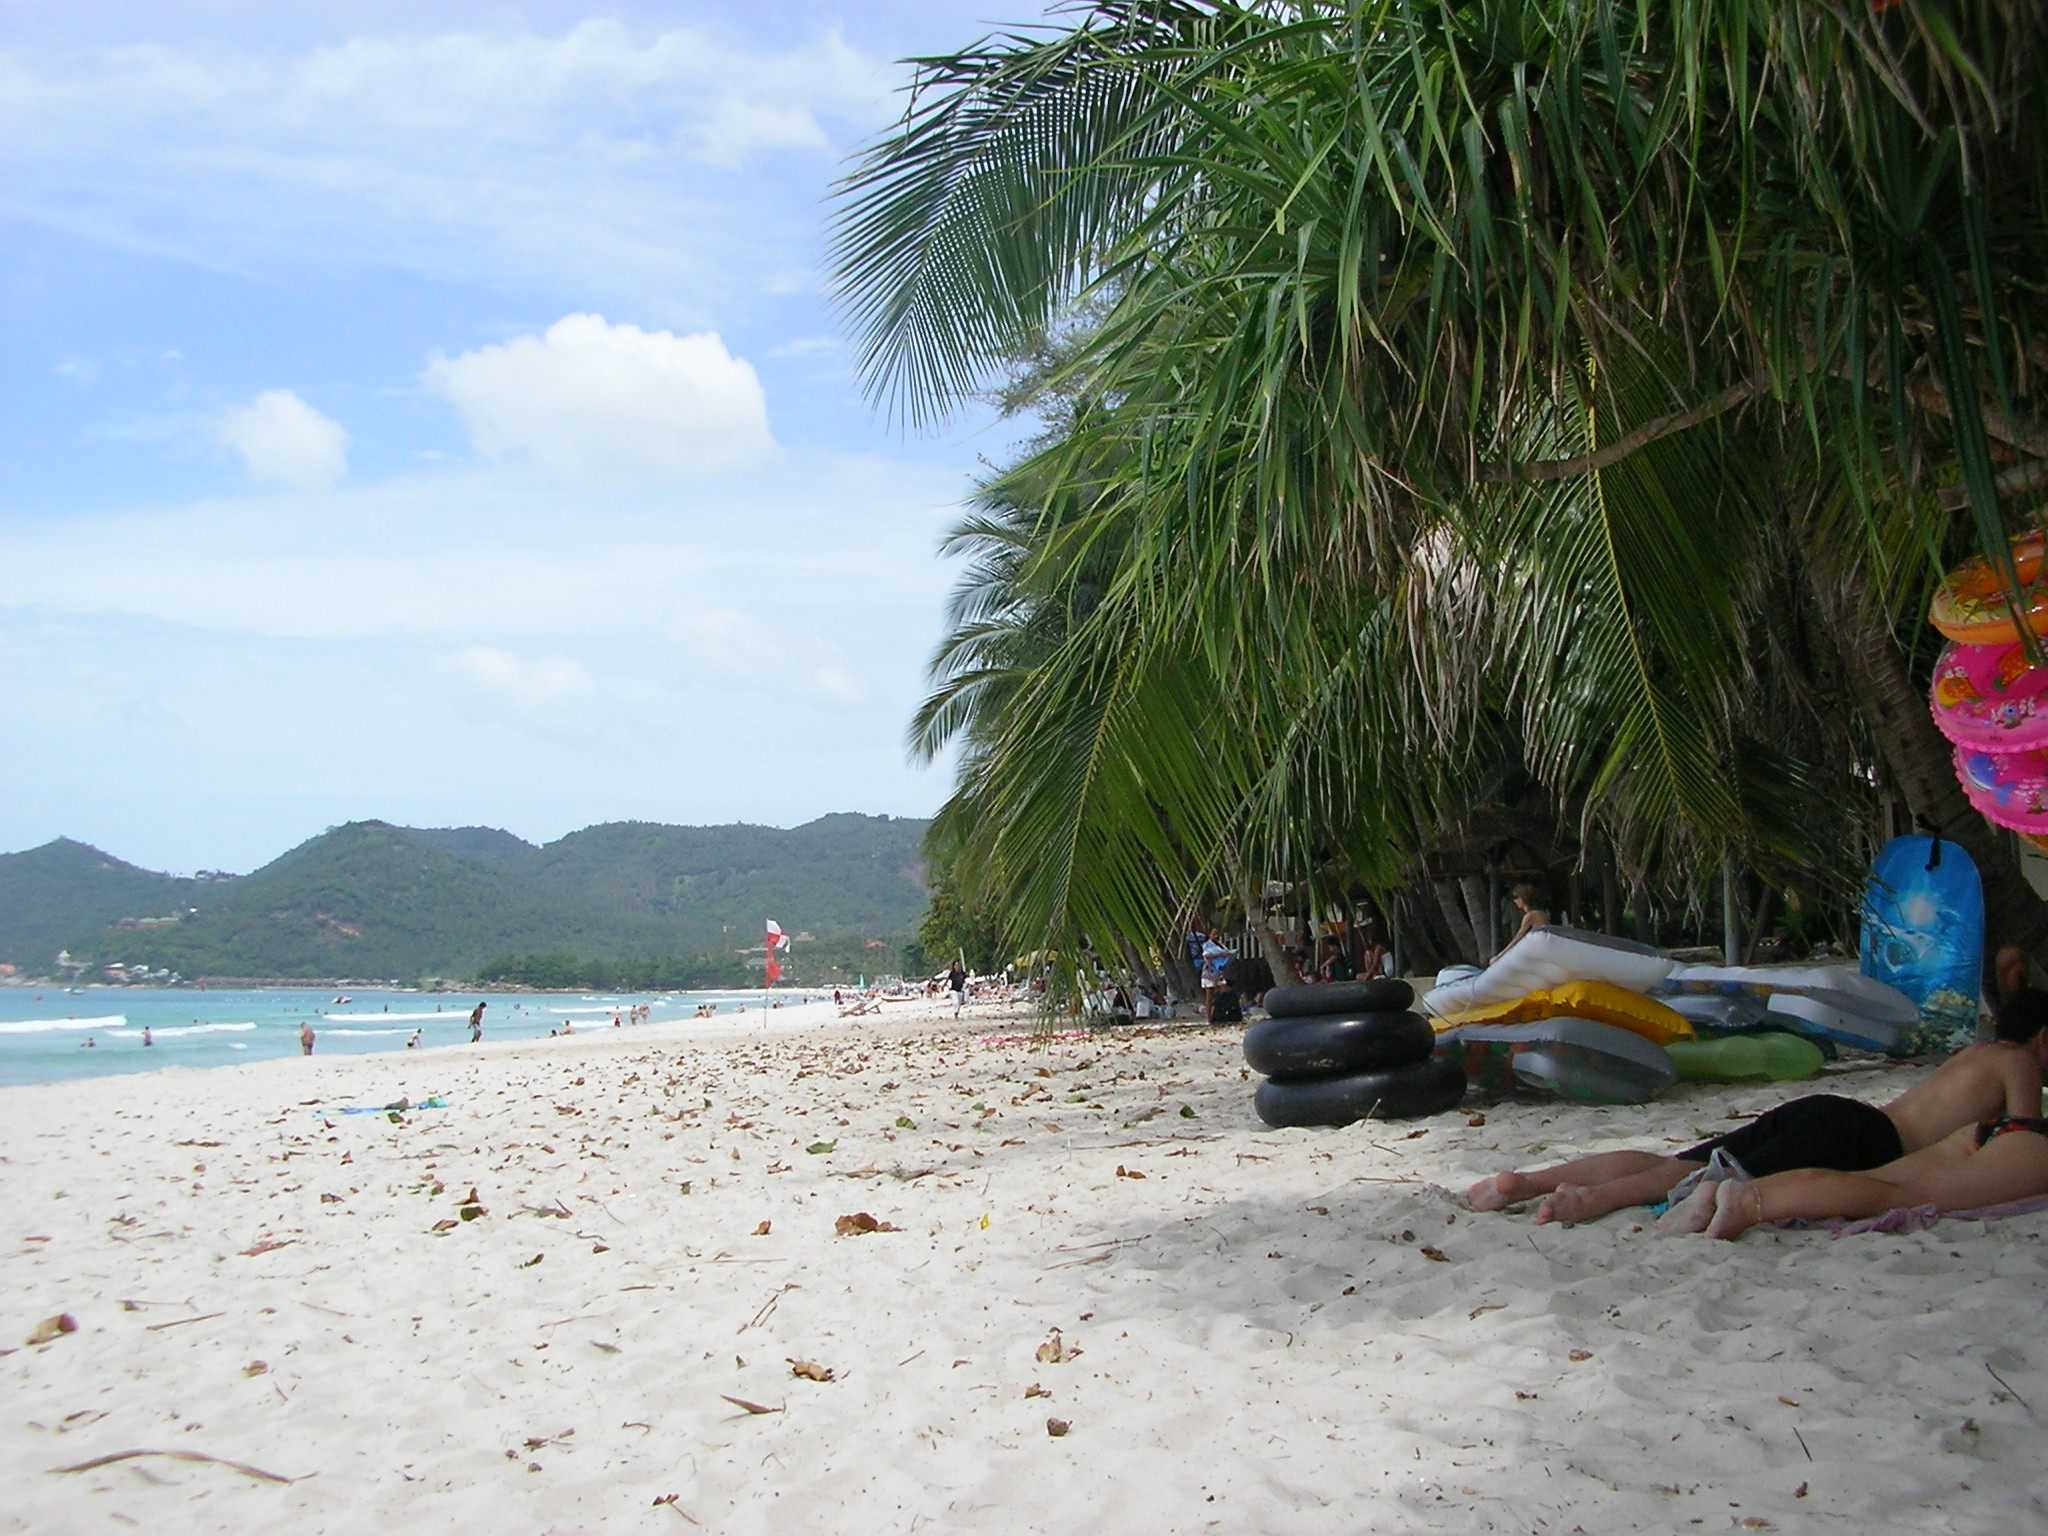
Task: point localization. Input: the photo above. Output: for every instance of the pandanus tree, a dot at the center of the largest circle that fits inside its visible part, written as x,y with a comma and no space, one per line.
1608,381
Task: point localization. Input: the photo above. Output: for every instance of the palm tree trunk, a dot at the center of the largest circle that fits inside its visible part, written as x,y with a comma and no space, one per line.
1449,902
1485,921
1284,972
1921,766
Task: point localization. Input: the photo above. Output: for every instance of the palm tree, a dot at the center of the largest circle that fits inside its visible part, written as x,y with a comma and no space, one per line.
1475,374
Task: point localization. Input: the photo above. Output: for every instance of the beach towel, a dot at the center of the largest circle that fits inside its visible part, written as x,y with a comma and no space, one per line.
396,1106
1918,1218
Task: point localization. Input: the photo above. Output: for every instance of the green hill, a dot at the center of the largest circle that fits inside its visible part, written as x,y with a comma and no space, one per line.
374,900
53,895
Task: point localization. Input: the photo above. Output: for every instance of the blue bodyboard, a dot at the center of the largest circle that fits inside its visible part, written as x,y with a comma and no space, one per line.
1923,932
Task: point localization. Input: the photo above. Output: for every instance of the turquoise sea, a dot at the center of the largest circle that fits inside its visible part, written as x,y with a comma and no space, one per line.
48,1034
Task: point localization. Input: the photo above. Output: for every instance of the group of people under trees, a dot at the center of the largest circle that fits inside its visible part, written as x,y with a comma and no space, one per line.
1969,1137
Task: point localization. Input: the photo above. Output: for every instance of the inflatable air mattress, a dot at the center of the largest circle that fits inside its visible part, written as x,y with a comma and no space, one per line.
1597,1000
1767,1054
1547,958
1812,1014
1840,986
1577,1059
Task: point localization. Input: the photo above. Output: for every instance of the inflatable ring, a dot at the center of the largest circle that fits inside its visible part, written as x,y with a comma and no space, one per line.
1304,1001
1986,697
1971,607
1406,1093
1321,1044
2008,789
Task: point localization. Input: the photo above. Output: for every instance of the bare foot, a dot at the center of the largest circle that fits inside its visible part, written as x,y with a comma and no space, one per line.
1568,1202
1502,1190
1737,1208
1690,1216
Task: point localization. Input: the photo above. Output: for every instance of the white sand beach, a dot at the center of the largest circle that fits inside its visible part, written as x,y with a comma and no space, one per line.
1263,1331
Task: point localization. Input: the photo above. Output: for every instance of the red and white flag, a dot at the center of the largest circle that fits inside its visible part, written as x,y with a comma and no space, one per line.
777,942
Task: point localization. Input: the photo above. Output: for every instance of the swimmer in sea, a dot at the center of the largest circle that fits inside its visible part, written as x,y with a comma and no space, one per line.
1980,1083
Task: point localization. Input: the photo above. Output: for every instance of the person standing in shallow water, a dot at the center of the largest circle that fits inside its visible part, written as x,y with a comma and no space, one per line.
476,1023
306,1039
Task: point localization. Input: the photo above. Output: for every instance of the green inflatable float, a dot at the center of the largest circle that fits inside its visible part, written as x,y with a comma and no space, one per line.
1736,1058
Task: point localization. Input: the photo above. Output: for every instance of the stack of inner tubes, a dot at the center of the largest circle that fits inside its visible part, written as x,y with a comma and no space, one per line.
1349,1050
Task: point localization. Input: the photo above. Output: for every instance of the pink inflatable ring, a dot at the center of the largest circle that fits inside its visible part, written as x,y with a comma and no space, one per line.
2008,789
1989,698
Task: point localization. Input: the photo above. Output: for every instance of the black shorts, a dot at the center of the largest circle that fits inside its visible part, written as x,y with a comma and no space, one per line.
1822,1130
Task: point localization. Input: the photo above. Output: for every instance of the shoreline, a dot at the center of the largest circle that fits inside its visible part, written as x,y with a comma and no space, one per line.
345,1034
1242,1329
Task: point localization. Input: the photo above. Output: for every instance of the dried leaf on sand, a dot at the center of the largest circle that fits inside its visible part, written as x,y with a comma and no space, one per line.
219,1461
810,1370
53,1327
1056,1350
859,1223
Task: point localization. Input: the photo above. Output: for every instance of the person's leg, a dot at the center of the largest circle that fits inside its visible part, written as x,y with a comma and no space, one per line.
1602,1167
2010,1167
1589,1202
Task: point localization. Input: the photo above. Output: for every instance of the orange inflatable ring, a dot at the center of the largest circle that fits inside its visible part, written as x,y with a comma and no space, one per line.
1970,606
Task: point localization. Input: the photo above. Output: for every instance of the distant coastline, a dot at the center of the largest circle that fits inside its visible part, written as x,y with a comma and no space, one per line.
294,984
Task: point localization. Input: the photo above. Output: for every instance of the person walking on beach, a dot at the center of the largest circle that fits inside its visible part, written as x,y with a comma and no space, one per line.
1215,956
306,1039
956,983
1979,1084
476,1023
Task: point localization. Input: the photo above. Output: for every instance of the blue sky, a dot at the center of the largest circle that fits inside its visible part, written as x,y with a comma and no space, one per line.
445,420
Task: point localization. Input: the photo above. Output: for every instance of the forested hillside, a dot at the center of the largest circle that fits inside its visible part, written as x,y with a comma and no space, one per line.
374,900
50,896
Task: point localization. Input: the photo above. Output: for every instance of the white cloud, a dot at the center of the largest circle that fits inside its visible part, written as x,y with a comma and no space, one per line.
589,399
804,346
598,161
80,371
281,440
743,651
473,553
530,683
839,684
739,129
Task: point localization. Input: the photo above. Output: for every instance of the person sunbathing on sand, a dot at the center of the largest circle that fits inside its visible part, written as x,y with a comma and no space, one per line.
1822,1130
1999,1161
